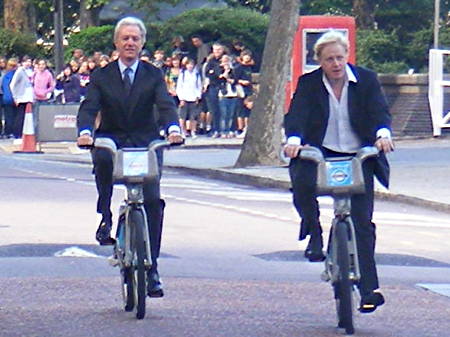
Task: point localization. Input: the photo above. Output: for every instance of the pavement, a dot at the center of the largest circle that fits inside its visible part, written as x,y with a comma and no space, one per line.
419,167
256,307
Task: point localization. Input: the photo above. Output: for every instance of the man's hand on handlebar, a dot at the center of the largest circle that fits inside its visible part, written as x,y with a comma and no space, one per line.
292,151
384,144
85,141
175,138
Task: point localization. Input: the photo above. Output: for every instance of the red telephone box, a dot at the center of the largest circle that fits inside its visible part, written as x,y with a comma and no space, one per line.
310,29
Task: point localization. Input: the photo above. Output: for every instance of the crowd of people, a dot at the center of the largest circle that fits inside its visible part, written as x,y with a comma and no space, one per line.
212,86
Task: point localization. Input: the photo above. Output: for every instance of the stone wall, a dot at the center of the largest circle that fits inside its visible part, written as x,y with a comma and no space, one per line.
407,96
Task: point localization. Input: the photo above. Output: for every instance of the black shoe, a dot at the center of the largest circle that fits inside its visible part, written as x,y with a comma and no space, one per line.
154,285
313,251
103,234
370,303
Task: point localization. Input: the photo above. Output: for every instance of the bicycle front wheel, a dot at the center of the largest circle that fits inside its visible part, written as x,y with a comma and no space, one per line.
138,223
128,288
343,287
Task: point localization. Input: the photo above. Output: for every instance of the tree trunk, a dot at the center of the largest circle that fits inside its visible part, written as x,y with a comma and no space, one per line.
262,143
15,15
88,16
364,12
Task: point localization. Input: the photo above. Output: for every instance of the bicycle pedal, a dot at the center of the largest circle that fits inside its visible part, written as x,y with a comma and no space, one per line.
113,261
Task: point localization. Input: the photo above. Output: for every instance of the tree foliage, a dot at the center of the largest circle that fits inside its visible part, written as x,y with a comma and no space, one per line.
17,44
262,6
92,39
222,25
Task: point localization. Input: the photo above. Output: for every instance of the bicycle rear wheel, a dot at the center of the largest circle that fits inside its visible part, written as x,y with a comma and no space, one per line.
138,223
343,287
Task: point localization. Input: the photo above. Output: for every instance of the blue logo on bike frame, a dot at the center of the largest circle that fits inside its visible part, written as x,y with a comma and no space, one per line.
339,173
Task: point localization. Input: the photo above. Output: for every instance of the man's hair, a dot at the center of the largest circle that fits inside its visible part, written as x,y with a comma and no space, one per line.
329,37
196,36
218,45
246,52
131,21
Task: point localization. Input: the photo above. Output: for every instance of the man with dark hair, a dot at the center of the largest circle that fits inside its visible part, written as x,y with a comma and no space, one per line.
203,50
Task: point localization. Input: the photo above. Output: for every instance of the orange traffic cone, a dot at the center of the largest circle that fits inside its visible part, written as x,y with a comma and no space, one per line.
28,136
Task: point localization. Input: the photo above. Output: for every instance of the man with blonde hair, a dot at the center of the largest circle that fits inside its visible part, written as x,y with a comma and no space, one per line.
339,108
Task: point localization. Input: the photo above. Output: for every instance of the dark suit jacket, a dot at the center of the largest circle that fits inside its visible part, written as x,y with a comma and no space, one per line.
368,111
128,121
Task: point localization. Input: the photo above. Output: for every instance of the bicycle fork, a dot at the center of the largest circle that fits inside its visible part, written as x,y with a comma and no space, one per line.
342,216
134,202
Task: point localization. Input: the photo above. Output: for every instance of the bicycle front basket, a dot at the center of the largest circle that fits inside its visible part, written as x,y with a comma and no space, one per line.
340,177
135,165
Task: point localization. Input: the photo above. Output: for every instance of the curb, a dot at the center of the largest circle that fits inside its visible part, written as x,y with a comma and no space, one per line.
255,181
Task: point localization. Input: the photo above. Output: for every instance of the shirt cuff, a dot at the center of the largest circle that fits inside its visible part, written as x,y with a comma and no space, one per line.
85,132
384,133
294,140
174,128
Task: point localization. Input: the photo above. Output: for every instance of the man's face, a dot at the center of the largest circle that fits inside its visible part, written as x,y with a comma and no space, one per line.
129,43
217,51
333,59
196,42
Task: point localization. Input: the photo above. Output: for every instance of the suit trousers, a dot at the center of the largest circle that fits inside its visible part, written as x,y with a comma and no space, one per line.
153,204
303,177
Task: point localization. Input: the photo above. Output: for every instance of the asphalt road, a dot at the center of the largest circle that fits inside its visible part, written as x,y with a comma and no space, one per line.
231,263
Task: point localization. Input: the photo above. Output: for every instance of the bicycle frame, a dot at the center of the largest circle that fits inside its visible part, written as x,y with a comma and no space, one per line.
129,165
342,207
340,178
134,199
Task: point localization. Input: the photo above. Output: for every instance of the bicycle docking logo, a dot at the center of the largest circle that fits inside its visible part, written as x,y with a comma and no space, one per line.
339,173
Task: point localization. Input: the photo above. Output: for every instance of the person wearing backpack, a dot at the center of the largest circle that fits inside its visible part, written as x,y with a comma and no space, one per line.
189,92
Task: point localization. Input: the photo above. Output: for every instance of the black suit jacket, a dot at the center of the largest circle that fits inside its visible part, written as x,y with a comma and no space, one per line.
128,121
368,111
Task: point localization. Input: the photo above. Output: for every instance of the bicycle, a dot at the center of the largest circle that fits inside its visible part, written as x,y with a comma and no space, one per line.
340,178
132,167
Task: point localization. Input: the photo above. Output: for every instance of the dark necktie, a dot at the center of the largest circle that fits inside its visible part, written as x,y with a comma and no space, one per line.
127,81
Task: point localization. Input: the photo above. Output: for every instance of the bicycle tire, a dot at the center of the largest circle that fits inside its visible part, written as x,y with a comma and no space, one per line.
138,223
126,273
344,286
128,286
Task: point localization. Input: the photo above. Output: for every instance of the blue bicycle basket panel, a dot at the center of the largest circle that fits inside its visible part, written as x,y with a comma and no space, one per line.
339,173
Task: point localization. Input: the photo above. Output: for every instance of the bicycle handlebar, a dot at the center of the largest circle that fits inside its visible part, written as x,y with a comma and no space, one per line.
108,143
313,153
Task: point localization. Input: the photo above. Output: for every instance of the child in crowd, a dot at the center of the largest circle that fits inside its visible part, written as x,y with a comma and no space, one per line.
245,114
189,92
158,59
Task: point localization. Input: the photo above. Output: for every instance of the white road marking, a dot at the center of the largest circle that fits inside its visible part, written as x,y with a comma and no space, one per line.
231,208
76,252
439,288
